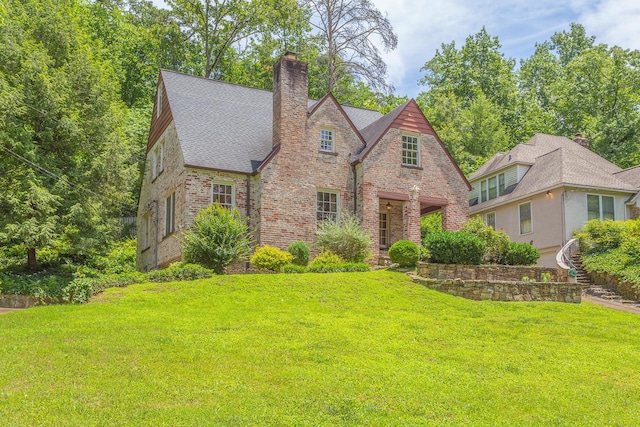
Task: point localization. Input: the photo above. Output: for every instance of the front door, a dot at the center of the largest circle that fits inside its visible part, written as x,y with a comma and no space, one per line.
384,230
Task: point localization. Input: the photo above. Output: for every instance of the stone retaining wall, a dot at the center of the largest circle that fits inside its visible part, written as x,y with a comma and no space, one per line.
25,301
485,272
506,291
615,284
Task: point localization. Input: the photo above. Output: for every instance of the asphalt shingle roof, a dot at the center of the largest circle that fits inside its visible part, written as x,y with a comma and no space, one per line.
556,161
228,127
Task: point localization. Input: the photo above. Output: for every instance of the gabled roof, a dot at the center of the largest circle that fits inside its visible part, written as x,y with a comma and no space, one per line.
229,127
556,161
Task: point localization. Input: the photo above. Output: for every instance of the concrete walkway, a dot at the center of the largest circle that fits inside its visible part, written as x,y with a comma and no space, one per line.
611,304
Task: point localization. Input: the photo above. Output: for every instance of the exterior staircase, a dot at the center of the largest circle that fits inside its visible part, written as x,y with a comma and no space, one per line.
588,288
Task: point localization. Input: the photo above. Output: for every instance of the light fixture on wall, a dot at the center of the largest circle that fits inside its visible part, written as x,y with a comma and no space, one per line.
548,193
389,207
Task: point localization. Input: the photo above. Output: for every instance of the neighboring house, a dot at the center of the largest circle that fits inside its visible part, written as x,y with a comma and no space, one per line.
544,189
288,162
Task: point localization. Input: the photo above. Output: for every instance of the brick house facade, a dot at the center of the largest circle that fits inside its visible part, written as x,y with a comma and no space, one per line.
286,162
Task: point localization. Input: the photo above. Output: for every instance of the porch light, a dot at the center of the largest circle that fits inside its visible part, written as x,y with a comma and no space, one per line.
389,207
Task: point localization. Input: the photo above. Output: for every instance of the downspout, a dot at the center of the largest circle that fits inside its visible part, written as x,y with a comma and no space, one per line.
248,212
156,237
562,213
355,191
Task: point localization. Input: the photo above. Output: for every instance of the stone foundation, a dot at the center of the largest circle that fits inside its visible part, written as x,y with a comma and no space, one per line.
485,272
26,301
506,291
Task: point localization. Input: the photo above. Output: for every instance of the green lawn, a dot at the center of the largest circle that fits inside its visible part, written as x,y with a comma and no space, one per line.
316,349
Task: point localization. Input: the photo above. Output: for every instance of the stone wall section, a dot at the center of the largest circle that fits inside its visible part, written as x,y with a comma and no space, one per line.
481,290
608,281
485,272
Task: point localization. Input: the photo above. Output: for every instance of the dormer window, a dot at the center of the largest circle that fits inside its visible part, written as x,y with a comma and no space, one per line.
492,187
326,140
410,150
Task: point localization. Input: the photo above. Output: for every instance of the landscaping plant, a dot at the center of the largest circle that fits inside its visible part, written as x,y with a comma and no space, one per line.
522,254
218,237
270,258
344,237
405,253
497,242
300,251
455,247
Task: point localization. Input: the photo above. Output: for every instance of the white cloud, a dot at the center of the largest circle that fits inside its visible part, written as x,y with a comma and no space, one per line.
614,22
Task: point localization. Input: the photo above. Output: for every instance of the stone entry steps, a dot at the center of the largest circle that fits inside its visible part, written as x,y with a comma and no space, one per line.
588,288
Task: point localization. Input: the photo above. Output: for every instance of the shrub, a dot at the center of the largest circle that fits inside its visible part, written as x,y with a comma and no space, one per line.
603,234
341,267
270,258
455,247
326,257
179,271
300,251
424,254
430,224
81,289
345,238
217,238
497,241
121,258
294,268
405,253
522,254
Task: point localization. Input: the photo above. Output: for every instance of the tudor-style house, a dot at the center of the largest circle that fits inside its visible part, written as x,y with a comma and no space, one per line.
543,190
288,162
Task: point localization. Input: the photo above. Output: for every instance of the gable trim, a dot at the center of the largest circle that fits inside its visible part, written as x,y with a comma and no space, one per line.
344,114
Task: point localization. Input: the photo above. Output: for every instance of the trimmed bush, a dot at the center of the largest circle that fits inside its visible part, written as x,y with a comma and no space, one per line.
180,271
497,241
522,254
326,257
430,224
218,237
405,253
424,254
603,234
270,258
455,247
300,251
345,238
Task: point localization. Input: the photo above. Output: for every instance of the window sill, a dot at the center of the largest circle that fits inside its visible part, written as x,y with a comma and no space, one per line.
157,176
145,249
331,153
412,167
166,236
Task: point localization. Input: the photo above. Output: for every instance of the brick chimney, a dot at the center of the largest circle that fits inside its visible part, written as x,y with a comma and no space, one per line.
290,94
581,140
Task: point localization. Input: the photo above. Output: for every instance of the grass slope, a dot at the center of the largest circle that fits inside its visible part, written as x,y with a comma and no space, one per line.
331,349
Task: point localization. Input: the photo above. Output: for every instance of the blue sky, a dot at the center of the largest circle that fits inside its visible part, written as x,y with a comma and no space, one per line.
423,25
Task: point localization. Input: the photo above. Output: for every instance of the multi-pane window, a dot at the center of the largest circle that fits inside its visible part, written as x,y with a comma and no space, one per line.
490,219
492,187
327,206
222,194
157,159
170,214
326,140
525,218
600,207
384,230
410,150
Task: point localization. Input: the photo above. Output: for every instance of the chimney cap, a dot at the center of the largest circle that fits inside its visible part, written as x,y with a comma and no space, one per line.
290,55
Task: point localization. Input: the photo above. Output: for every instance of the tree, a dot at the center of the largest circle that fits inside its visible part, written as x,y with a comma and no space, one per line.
217,238
65,166
351,31
222,28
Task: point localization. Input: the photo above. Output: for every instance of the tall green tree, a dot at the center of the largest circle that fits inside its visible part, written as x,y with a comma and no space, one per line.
66,167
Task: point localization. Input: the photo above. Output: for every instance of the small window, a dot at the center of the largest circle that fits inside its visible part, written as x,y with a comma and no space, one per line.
483,191
326,140
384,230
222,194
490,219
600,207
410,150
493,187
327,206
157,159
525,218
146,231
501,184
159,95
170,214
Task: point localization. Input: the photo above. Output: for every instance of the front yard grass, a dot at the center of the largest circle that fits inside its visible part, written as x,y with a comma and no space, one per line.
316,349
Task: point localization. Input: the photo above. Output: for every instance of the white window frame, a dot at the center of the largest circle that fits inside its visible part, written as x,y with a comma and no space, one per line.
384,231
157,159
600,206
486,219
170,214
232,194
410,155
327,140
499,187
530,218
146,231
324,213
159,96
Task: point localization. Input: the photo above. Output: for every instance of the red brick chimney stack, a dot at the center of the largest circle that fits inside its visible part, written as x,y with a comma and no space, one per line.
290,94
581,140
